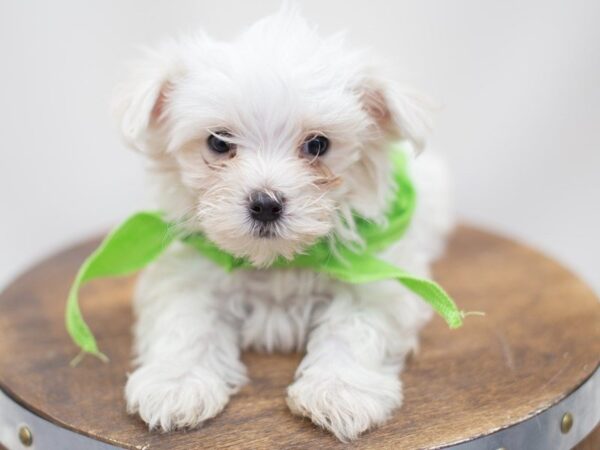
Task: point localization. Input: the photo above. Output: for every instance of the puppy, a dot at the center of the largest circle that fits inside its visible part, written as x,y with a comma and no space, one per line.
267,144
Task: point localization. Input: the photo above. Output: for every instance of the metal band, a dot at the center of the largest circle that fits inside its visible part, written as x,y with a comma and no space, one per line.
542,431
44,434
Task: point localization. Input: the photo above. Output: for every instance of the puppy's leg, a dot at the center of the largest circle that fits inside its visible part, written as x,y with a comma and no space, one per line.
187,353
348,381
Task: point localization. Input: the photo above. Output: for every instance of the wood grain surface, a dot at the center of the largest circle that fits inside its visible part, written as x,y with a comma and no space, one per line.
539,340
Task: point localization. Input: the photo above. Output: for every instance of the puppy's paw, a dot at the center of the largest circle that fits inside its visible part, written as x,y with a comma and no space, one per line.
346,404
170,398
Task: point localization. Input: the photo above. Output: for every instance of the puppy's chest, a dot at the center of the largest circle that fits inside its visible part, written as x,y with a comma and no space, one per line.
280,288
273,309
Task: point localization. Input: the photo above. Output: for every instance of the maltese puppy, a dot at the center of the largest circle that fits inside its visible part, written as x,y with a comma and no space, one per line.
266,144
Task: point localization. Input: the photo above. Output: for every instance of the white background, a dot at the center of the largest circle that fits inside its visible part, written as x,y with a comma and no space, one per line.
519,82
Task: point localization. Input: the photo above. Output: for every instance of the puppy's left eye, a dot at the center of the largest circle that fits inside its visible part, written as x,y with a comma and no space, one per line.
315,146
218,142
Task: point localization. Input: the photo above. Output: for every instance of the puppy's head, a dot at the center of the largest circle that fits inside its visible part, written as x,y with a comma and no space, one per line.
269,142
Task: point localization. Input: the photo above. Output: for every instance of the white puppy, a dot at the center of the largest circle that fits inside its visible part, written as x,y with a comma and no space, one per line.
266,144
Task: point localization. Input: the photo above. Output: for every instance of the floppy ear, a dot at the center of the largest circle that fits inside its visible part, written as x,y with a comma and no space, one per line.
399,113
139,103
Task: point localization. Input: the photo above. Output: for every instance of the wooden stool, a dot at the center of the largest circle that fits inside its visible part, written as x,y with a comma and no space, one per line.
523,377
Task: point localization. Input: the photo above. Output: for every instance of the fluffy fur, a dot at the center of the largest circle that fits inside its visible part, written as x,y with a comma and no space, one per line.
270,88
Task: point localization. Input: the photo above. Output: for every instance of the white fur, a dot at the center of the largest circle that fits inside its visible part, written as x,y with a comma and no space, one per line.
270,88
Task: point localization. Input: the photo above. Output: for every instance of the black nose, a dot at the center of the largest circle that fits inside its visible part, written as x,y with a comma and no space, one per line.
264,207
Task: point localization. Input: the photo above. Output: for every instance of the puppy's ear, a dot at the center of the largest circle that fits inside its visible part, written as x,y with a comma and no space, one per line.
139,104
399,113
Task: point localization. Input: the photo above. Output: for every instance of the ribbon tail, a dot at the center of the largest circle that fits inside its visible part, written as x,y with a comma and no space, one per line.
433,294
76,326
130,247
358,269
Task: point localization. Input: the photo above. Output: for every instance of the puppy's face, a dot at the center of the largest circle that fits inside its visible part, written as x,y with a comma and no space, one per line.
270,142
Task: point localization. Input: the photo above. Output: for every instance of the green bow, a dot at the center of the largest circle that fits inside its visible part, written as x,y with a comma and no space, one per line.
144,236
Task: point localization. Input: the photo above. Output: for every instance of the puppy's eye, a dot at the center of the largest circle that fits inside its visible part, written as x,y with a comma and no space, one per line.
315,146
217,142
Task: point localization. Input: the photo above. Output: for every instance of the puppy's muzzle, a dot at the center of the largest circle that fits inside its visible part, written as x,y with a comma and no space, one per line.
265,208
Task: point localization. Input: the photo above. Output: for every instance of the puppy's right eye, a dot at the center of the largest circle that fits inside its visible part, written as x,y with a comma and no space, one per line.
315,146
218,143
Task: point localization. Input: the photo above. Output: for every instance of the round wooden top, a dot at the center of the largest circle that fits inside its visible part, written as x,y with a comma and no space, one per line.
539,340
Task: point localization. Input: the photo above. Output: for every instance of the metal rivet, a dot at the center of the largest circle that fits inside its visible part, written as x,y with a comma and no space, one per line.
25,436
566,423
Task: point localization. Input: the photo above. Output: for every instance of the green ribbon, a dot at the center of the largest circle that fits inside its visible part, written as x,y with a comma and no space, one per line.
143,237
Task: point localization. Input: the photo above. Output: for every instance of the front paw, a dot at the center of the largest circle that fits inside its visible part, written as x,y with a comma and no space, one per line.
347,403
169,398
